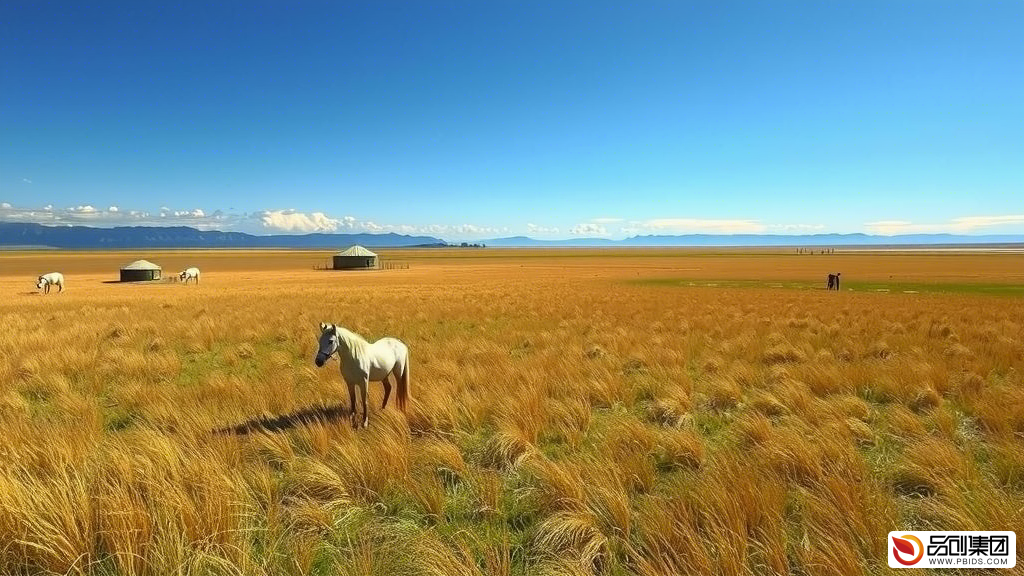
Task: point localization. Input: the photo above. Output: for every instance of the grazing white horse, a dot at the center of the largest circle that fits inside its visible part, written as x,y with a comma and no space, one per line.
189,274
362,362
51,279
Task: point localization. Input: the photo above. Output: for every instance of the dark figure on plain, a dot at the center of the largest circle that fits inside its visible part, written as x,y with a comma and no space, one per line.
833,281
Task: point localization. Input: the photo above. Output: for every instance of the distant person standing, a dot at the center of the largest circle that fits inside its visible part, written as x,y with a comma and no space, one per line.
833,281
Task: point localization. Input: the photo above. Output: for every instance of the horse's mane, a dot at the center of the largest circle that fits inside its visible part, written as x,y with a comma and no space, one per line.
352,341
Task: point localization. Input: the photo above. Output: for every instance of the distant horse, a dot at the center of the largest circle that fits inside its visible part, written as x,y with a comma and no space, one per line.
189,274
51,279
362,362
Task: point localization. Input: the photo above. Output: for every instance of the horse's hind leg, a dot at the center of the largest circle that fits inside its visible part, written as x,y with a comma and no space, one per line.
362,393
387,390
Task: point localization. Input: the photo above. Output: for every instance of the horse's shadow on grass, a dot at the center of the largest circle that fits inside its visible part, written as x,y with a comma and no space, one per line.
317,415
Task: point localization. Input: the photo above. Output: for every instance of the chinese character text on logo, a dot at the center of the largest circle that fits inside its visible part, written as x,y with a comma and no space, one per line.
982,549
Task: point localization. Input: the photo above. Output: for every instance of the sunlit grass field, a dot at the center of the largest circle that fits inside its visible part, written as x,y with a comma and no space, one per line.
647,412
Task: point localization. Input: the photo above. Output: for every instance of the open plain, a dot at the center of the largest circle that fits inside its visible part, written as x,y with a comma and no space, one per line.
645,412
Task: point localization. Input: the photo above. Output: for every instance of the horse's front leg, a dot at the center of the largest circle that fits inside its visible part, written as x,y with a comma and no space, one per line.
351,402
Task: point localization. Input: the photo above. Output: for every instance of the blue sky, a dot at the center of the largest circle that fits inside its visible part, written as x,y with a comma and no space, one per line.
553,119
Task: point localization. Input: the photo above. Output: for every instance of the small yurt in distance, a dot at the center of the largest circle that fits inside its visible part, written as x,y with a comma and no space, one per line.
140,271
355,257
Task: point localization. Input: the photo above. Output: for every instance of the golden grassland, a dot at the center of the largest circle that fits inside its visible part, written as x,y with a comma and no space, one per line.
573,412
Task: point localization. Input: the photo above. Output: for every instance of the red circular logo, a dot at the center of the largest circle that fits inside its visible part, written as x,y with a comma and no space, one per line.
904,546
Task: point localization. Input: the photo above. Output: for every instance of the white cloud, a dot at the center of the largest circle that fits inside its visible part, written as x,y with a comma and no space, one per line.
535,229
695,226
267,221
796,228
5,205
294,221
405,229
973,222
588,229
433,229
449,229
113,216
26,180
474,229
962,225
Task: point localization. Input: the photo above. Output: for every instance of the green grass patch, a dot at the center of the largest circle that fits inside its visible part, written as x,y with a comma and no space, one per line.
247,360
118,419
196,365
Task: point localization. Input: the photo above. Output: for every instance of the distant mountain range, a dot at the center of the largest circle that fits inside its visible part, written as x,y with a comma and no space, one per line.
128,237
712,240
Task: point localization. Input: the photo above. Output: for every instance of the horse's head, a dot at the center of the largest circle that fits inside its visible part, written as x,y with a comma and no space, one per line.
40,283
328,343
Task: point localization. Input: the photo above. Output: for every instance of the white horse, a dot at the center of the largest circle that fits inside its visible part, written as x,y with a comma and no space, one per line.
189,274
362,362
51,279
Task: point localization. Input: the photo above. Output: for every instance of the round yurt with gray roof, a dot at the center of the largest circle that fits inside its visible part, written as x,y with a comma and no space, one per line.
140,271
354,258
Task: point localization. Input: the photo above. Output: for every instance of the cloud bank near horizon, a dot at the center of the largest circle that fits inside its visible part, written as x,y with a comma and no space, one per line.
963,225
291,221
279,221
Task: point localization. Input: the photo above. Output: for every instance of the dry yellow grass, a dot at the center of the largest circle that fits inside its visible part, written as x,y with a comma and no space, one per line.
573,412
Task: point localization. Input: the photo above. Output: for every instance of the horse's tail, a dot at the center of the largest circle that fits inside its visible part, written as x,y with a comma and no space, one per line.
403,384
